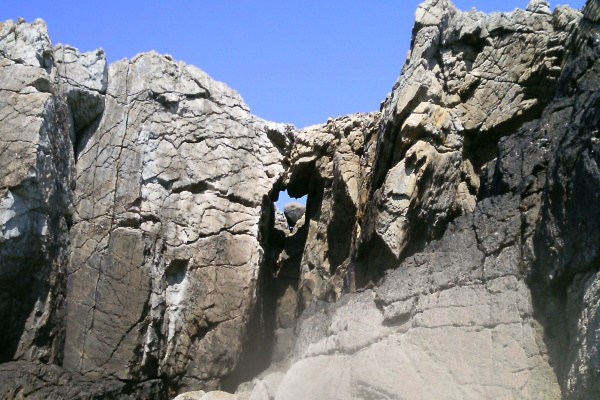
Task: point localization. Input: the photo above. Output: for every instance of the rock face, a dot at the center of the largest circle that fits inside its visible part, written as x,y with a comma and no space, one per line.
84,78
26,380
332,164
449,247
166,245
36,182
164,252
480,228
469,80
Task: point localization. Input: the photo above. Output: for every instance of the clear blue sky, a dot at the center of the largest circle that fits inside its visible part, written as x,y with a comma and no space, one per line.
298,62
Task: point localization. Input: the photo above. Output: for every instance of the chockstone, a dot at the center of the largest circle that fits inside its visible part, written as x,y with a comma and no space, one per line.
293,212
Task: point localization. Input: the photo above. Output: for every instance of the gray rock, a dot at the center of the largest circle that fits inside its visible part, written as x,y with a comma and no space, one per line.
166,236
84,79
539,6
293,212
195,395
470,78
501,277
27,44
449,249
39,382
36,182
332,164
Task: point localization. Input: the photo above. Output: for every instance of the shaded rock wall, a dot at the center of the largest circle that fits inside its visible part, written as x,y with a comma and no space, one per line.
36,184
332,164
470,79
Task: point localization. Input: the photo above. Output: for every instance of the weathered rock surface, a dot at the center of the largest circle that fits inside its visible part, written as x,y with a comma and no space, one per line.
24,380
481,223
166,243
449,247
26,44
84,79
470,79
332,164
36,182
173,182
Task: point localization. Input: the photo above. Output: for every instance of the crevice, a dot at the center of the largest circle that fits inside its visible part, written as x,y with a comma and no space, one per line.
257,346
240,200
270,329
83,136
176,271
194,187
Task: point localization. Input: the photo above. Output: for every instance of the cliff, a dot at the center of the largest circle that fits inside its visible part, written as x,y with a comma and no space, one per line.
449,248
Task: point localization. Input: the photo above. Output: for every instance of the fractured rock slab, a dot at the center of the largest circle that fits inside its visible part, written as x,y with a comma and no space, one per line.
166,240
36,182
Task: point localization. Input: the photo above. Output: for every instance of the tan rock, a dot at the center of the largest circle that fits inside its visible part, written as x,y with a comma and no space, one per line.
169,203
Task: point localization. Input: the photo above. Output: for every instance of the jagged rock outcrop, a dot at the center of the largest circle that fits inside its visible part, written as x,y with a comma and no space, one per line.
332,164
84,79
483,232
449,247
469,80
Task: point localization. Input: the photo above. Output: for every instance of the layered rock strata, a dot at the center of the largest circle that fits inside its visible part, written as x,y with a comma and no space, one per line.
449,246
